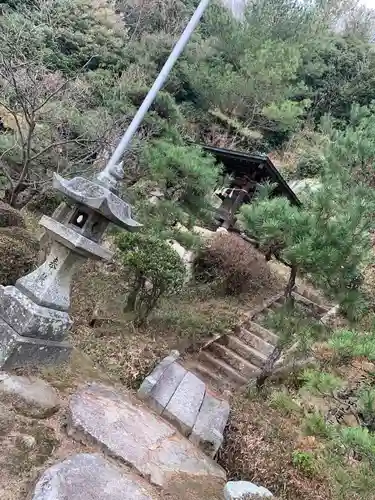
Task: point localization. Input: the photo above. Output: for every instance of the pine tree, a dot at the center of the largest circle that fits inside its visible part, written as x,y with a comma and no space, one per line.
327,239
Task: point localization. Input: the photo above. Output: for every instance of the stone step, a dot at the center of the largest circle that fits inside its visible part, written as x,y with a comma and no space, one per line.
249,339
278,304
207,374
318,307
251,354
235,360
311,295
183,408
266,303
209,427
221,367
261,332
165,387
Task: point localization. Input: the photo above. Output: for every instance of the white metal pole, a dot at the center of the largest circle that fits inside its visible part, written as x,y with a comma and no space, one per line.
115,159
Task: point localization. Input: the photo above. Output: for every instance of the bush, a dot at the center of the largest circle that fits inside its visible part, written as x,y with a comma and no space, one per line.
19,254
10,217
153,269
232,263
45,202
304,461
309,165
185,174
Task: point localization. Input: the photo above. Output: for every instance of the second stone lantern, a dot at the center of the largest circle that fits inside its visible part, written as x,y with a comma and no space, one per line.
34,317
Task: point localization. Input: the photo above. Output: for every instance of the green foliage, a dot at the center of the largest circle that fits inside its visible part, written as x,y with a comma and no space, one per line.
153,269
314,424
185,175
321,382
366,406
304,461
353,149
329,237
310,164
348,344
292,324
359,440
282,401
339,71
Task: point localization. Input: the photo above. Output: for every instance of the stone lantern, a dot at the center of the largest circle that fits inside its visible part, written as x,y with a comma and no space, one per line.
34,317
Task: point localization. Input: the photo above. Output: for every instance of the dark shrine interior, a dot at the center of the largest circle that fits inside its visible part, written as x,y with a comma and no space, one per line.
255,167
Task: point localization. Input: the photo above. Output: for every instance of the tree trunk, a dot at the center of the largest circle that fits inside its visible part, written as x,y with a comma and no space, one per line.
133,295
268,366
291,284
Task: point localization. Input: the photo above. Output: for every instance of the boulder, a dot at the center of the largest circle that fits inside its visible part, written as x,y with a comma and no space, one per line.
30,396
237,490
90,476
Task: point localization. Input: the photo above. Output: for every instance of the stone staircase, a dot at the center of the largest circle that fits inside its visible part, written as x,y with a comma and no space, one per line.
182,399
229,361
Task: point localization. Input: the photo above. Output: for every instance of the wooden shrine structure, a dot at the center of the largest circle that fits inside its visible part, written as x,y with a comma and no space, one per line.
246,172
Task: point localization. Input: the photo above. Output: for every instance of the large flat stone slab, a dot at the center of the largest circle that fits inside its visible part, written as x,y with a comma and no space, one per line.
91,477
182,410
128,430
208,430
166,386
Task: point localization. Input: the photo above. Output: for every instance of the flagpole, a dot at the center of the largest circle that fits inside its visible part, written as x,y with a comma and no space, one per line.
106,175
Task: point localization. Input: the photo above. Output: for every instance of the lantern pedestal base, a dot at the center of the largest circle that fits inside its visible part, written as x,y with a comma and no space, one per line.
17,351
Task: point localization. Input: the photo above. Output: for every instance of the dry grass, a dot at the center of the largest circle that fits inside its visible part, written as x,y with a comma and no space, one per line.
181,322
258,447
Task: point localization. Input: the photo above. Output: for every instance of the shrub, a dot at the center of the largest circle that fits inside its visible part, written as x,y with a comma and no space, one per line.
19,254
9,216
282,401
184,174
45,202
153,269
309,165
304,461
233,264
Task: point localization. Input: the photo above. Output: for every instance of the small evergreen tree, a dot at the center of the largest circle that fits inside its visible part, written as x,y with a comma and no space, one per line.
153,269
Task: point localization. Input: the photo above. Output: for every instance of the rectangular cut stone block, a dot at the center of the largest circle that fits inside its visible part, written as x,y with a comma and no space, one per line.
166,387
29,319
17,351
151,380
208,430
182,410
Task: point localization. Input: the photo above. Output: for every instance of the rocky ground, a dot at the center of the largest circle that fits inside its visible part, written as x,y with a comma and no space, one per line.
94,441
